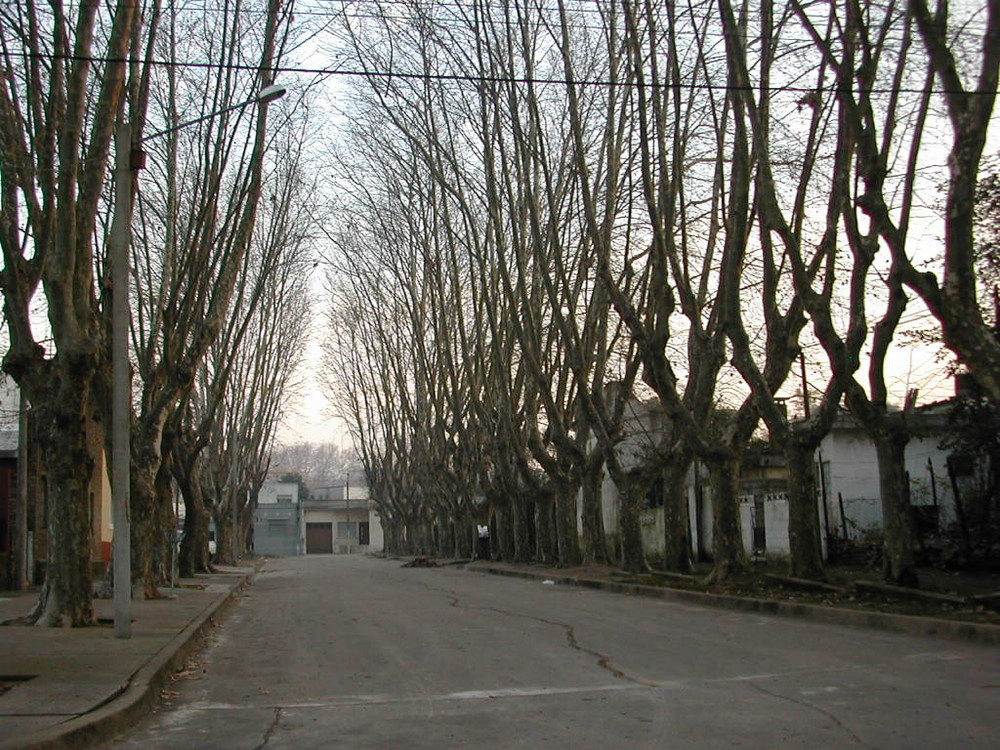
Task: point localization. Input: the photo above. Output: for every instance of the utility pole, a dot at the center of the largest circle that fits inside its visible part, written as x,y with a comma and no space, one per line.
119,241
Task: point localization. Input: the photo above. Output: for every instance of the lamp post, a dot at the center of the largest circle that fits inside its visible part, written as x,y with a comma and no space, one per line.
128,161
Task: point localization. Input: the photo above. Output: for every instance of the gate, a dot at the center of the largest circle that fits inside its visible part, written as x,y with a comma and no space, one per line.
319,538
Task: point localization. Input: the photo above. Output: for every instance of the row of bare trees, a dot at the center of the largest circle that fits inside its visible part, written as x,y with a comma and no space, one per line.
220,240
558,206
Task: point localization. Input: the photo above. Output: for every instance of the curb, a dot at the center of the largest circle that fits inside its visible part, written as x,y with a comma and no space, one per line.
140,693
969,632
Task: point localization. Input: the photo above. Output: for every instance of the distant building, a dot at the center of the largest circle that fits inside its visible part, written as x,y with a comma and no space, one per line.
342,520
279,522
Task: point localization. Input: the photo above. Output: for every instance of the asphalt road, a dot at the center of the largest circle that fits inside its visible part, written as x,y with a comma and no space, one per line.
348,651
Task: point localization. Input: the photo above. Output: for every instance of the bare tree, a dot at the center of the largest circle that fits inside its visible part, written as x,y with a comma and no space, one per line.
226,425
881,121
62,92
967,79
198,220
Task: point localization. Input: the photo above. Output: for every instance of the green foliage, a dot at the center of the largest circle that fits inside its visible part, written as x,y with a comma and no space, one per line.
974,428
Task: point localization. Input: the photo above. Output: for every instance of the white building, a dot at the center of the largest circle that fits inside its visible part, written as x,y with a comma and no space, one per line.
850,480
849,499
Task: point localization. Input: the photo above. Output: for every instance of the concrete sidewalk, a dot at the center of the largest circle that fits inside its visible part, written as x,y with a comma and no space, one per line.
71,687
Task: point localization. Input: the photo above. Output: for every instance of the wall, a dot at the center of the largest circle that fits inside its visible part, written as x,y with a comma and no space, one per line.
850,476
775,522
279,527
278,530
270,491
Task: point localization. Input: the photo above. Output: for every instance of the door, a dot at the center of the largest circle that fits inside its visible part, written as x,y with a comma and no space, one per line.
759,535
319,538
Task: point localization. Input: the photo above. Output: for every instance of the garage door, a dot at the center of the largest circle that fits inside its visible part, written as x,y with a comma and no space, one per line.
319,538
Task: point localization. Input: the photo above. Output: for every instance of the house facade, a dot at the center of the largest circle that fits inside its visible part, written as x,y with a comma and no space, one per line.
342,520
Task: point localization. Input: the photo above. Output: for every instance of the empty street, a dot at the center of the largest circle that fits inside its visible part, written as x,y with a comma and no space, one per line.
350,651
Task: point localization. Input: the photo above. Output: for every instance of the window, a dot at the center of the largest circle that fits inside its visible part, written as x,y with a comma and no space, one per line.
284,499
656,493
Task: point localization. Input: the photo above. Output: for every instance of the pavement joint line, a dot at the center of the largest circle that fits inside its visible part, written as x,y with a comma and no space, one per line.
928,627
383,700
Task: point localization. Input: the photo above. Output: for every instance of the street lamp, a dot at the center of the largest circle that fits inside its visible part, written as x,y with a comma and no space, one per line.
128,160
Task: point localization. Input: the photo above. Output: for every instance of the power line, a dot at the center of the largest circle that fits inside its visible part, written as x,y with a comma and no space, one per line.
469,78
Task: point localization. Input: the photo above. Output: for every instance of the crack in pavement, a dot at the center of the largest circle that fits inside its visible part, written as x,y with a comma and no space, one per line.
278,710
603,660
806,704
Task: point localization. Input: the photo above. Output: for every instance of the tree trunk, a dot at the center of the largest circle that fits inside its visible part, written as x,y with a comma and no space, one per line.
727,543
502,532
595,544
804,533
466,536
244,529
632,494
444,537
899,565
151,511
194,556
521,528
413,533
676,516
545,540
395,537
567,536
166,522
145,532
66,598
426,540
